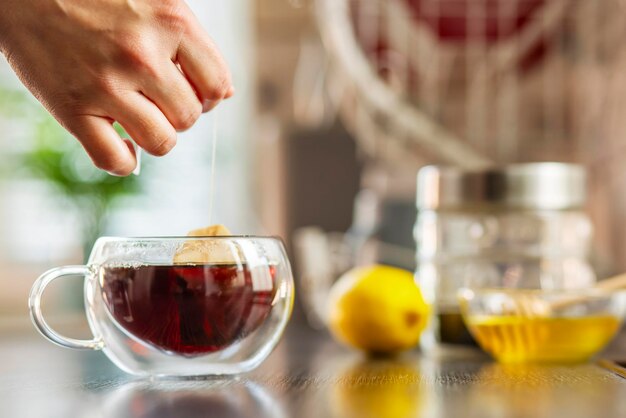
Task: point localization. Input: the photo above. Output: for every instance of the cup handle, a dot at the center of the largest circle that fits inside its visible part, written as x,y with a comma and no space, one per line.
34,305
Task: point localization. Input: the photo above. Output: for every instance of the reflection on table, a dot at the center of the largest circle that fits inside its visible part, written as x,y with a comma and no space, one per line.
308,376
207,399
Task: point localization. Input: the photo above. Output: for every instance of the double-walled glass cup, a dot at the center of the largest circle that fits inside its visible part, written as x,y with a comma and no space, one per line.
180,306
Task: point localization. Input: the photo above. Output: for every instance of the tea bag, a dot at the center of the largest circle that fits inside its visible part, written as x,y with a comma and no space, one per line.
207,251
210,231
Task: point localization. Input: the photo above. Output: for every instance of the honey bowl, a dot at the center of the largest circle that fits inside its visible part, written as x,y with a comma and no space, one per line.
552,326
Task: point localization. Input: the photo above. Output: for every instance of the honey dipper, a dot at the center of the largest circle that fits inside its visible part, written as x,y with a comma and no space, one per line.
529,305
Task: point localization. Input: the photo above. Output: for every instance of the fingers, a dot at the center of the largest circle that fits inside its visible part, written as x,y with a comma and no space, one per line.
175,97
204,66
144,122
105,147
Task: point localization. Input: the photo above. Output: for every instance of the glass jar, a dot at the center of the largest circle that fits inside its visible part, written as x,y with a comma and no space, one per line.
516,226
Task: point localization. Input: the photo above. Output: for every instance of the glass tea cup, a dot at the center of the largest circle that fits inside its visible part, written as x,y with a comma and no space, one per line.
180,306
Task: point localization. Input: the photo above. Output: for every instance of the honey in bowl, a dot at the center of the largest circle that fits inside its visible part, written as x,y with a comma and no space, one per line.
518,338
556,326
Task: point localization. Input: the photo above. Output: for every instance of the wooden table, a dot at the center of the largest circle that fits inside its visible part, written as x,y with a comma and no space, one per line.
307,376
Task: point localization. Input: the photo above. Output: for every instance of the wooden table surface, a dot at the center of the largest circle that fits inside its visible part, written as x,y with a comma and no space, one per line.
307,376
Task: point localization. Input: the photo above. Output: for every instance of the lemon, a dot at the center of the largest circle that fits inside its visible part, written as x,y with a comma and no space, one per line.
377,309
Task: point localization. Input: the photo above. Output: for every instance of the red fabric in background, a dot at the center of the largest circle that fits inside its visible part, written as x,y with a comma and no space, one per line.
449,19
501,20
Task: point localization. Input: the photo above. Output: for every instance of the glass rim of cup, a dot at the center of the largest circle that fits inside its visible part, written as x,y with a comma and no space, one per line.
187,237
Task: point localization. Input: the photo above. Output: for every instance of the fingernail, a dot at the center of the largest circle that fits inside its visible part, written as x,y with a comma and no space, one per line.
136,151
208,105
137,169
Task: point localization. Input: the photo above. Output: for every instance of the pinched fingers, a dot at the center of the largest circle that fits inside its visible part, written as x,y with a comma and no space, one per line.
174,96
153,85
144,122
204,66
107,150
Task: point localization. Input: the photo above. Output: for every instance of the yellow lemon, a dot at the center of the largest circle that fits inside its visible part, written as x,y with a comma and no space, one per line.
377,309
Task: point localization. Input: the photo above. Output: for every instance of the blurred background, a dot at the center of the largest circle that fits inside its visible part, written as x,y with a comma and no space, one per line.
338,104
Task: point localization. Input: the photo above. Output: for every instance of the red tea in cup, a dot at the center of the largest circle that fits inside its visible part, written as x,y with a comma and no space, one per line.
189,310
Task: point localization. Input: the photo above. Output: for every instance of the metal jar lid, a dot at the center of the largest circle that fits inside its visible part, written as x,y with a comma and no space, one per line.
555,186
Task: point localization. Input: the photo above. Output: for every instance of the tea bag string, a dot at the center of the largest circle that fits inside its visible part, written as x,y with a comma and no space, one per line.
138,153
213,153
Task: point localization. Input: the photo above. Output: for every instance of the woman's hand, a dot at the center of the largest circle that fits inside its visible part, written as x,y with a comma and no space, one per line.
143,63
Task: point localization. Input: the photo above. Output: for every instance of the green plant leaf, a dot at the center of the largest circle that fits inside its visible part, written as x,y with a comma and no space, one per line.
59,160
